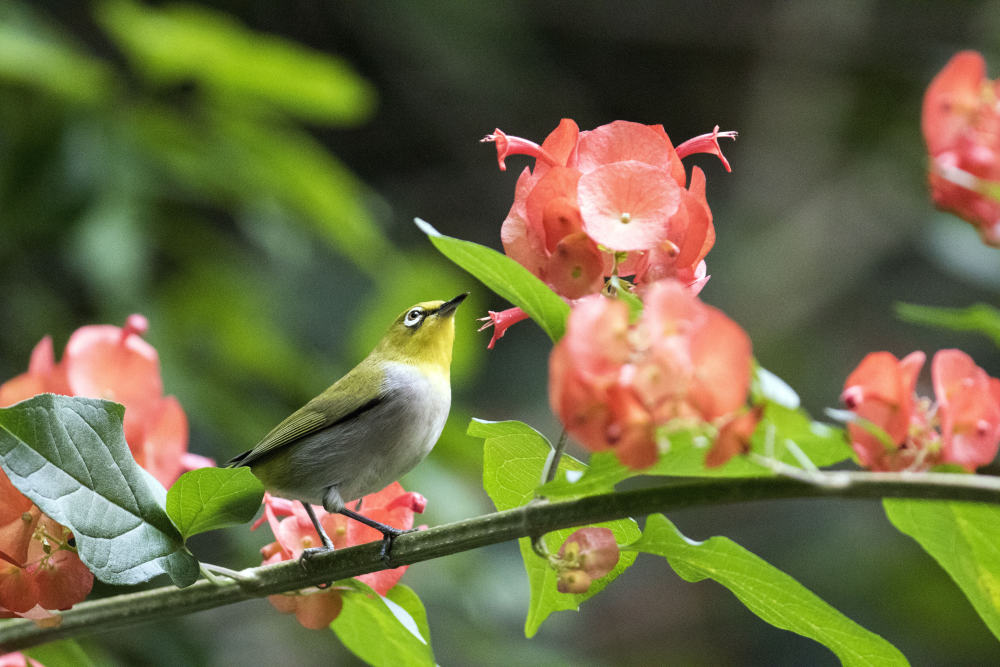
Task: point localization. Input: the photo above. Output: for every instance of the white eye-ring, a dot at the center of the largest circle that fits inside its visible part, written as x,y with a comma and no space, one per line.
414,317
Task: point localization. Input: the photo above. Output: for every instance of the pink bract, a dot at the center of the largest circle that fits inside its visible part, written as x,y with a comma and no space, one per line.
612,383
961,126
963,428
294,532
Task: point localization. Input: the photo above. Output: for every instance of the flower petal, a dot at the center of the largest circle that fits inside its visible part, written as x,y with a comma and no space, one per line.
625,141
627,205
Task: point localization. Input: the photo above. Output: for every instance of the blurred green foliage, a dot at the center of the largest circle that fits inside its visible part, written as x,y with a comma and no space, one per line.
246,173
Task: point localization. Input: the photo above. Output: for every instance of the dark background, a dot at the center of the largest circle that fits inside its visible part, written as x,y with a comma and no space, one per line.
216,214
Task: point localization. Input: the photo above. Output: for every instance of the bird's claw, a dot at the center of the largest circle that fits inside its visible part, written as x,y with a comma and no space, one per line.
307,555
388,537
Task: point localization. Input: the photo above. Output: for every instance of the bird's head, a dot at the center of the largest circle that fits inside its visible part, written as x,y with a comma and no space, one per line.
422,334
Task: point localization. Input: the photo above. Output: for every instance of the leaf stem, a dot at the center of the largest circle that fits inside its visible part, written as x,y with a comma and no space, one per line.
130,609
552,463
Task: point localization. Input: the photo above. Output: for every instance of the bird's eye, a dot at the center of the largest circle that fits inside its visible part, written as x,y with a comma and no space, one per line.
414,317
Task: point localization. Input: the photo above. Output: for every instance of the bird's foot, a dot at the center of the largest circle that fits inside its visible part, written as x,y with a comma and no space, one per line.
308,554
389,535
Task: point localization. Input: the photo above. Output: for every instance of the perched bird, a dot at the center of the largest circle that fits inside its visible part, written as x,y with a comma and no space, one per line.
370,427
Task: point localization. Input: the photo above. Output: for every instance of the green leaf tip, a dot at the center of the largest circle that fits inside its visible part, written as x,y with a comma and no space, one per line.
426,227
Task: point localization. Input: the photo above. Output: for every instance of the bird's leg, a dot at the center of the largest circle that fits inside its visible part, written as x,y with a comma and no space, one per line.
312,551
334,503
388,532
327,542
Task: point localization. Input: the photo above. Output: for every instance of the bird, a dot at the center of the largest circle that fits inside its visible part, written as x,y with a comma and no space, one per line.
370,427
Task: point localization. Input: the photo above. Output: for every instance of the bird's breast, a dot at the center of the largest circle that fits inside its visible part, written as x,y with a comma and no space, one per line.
366,452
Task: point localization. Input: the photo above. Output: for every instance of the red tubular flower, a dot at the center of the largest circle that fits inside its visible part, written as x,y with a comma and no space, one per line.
317,608
609,200
500,321
613,384
961,125
881,390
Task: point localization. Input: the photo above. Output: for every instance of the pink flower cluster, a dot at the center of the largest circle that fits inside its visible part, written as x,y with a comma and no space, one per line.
610,201
316,608
115,363
39,569
961,125
962,427
614,384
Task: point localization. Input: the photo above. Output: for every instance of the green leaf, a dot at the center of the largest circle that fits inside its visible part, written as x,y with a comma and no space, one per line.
179,43
514,456
31,54
513,459
211,498
823,444
69,456
505,277
964,538
766,591
384,631
545,597
685,457
978,318
64,653
230,155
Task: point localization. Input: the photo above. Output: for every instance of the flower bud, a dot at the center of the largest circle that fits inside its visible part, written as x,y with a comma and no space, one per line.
593,550
573,581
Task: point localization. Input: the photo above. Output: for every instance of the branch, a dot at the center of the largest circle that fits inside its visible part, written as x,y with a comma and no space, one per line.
130,609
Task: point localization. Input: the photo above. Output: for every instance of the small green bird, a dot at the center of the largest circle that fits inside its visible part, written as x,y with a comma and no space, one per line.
370,427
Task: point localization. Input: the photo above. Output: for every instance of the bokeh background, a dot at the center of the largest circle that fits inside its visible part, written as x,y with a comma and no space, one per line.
246,175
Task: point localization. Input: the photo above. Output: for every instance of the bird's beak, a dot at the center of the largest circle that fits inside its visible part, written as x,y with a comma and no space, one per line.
448,307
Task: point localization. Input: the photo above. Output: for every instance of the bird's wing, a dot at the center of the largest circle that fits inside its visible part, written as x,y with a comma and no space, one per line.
321,412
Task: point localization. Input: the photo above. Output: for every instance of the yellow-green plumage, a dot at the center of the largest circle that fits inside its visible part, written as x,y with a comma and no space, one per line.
371,426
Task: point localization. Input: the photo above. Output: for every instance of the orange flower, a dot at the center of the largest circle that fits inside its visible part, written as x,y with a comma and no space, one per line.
613,384
317,608
961,125
962,428
39,569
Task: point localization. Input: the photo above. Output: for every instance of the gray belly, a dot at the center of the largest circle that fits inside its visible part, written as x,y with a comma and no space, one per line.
372,450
